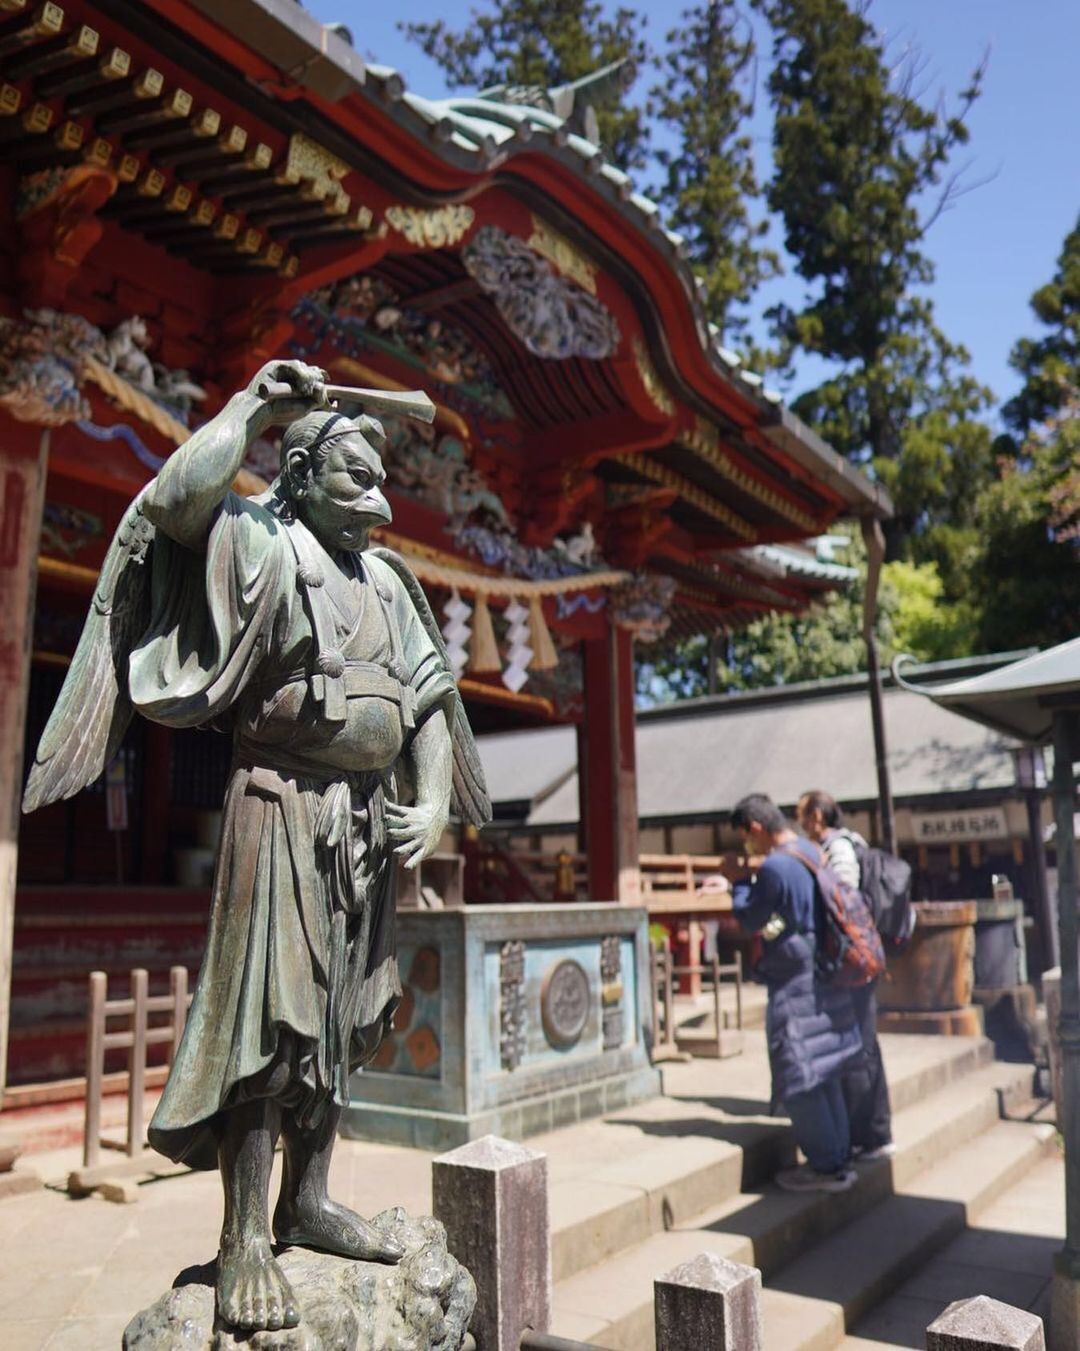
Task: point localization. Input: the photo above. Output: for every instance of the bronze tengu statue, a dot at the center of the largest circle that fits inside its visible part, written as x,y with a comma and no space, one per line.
272,615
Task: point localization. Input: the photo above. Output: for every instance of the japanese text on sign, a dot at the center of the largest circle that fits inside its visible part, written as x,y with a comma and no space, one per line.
959,827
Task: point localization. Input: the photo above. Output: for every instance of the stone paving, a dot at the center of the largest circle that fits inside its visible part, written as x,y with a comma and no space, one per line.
75,1271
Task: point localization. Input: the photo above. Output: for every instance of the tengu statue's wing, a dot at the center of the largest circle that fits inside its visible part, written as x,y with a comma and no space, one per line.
94,708
470,799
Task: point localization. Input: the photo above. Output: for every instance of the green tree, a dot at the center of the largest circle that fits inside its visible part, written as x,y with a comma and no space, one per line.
914,615
1050,365
1029,527
862,169
704,98
543,44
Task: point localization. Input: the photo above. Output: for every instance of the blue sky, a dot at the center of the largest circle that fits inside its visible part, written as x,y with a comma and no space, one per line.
1000,240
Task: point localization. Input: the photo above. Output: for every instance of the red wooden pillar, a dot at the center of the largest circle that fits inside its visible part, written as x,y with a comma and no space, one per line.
606,766
24,454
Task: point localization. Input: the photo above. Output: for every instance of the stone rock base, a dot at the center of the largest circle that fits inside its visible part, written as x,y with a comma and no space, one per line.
422,1304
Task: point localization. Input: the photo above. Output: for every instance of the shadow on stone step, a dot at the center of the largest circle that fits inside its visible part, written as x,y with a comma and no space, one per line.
877,1256
732,1106
767,1145
781,1224
1012,1267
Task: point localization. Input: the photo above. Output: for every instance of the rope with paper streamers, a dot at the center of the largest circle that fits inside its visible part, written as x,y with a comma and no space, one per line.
470,633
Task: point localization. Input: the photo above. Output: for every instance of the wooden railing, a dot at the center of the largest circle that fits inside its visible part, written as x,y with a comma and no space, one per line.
507,876
723,1038
681,882
670,883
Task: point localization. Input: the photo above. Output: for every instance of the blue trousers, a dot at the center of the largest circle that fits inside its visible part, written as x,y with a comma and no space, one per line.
820,1121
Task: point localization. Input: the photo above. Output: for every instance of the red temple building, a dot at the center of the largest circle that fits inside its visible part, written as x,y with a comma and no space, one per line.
187,195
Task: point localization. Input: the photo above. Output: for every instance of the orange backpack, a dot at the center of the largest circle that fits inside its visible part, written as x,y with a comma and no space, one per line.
849,947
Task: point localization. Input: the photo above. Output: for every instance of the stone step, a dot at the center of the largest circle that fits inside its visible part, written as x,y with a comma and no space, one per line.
610,1303
654,1167
1008,1252
780,1224
860,1264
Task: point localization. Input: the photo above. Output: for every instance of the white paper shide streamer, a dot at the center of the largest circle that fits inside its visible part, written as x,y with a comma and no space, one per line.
518,651
456,631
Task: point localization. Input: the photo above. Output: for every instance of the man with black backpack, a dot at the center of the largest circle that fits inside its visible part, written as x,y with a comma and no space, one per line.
885,883
811,1028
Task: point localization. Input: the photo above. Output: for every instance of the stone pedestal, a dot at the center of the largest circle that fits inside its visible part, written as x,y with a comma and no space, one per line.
425,1302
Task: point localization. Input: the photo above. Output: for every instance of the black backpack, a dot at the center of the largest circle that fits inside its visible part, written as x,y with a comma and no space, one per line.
885,882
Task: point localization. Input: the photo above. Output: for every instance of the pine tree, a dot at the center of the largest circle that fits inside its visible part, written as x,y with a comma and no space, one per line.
862,168
1029,532
547,43
705,98
1050,365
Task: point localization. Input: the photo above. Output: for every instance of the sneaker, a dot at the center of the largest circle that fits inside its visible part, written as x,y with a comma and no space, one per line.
807,1179
885,1151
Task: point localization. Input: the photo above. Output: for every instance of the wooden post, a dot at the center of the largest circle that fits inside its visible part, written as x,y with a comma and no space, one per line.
137,1062
95,1067
24,454
695,939
607,769
715,963
669,996
654,988
738,990
875,549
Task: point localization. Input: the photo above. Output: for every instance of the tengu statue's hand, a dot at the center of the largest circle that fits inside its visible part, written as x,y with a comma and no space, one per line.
414,831
289,389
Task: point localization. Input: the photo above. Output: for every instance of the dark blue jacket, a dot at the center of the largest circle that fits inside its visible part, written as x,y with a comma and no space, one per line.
811,1028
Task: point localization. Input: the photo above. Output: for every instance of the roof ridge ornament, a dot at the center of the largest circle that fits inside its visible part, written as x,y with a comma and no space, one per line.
573,101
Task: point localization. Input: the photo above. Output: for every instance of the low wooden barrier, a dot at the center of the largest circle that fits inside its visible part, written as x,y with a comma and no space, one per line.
671,1042
135,1038
722,1041
662,981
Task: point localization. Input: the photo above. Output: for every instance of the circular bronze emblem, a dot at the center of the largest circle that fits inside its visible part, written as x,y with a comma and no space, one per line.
564,1003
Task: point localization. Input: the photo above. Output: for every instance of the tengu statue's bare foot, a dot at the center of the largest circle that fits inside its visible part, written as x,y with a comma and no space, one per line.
252,1292
331,1227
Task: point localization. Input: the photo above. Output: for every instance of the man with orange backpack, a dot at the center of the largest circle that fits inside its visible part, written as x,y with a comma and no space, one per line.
811,1028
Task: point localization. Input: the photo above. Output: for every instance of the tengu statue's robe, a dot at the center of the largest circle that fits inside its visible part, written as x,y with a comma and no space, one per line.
321,668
